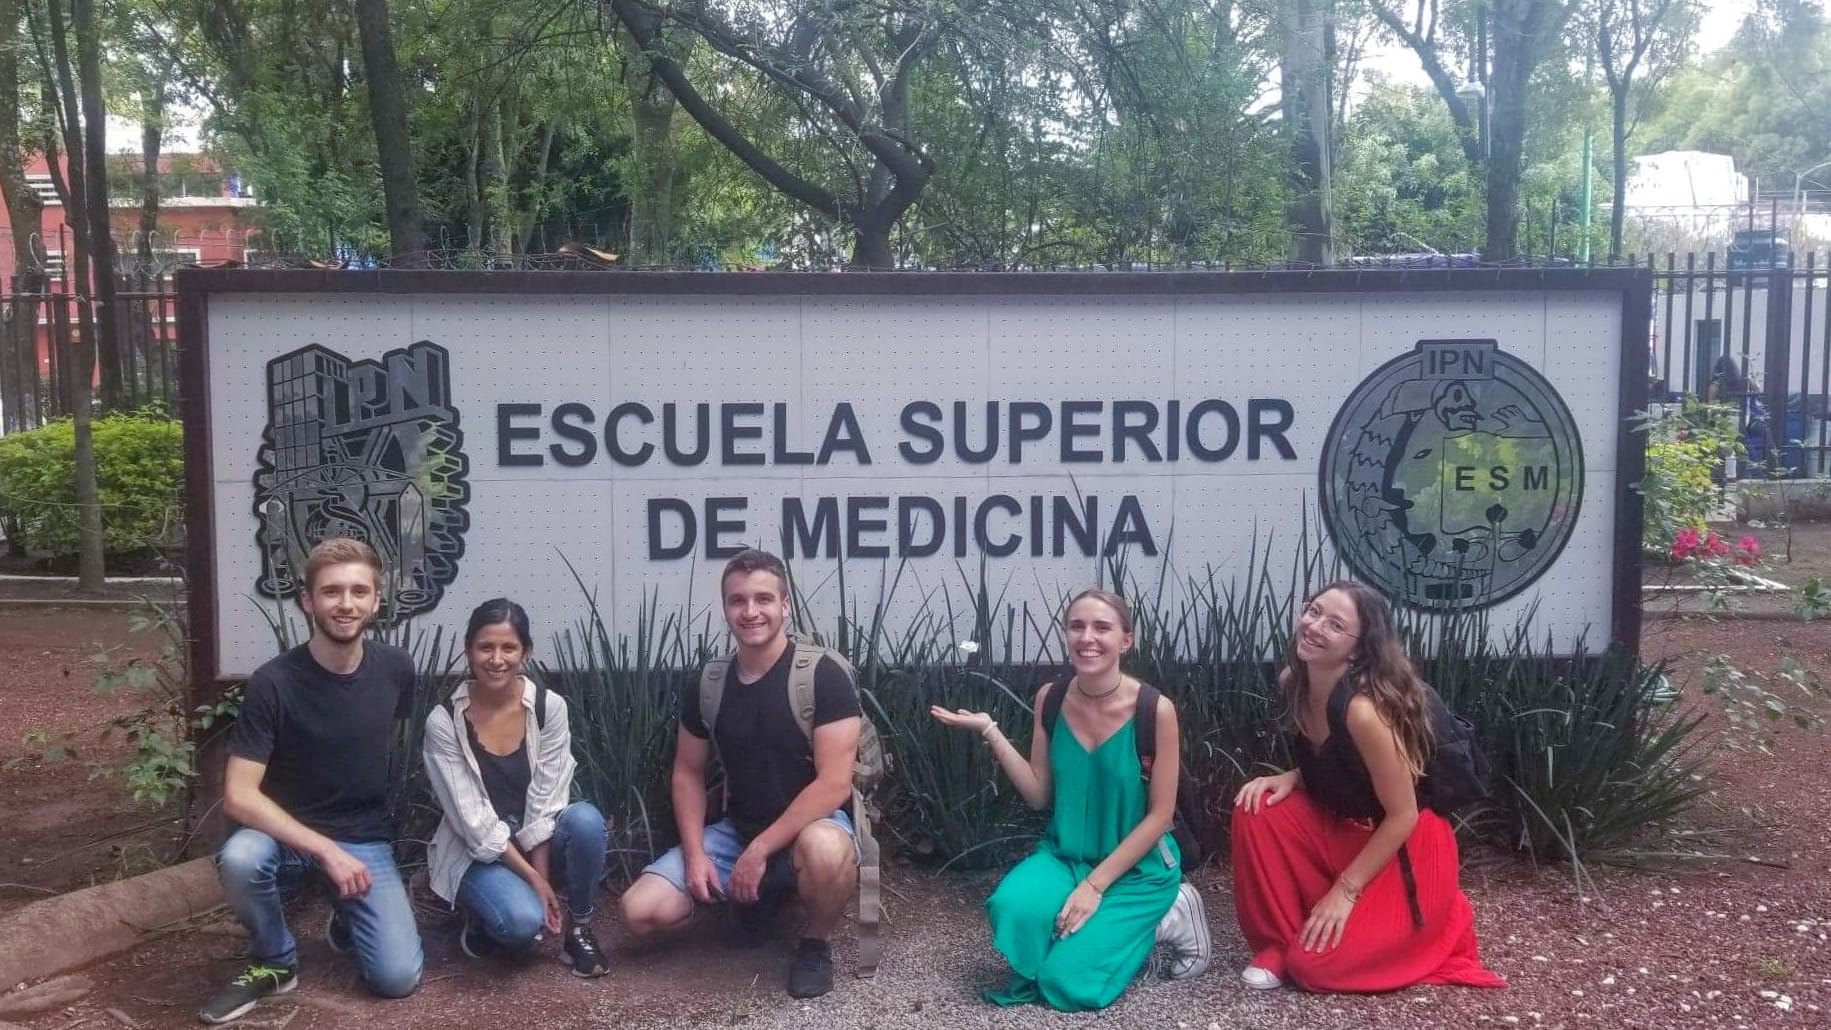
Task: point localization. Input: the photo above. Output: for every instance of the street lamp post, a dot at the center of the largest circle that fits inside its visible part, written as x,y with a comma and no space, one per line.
1799,179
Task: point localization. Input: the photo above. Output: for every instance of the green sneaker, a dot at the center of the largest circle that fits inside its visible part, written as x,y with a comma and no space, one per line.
258,981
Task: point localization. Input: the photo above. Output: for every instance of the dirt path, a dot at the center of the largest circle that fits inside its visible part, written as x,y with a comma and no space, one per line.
1731,943
56,813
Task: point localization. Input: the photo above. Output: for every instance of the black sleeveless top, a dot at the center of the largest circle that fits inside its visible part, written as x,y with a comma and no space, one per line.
505,777
1335,775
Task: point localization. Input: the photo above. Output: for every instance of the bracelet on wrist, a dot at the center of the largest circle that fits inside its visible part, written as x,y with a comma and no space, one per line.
1348,889
990,733
1097,888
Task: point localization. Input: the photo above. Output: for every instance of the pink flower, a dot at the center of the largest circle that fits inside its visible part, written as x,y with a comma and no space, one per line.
1715,546
1748,550
1684,543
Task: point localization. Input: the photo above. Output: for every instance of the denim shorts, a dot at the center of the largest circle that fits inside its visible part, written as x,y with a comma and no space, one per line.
723,846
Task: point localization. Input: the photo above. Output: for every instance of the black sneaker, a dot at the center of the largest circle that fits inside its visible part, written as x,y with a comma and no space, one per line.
258,981
580,951
812,974
337,935
474,942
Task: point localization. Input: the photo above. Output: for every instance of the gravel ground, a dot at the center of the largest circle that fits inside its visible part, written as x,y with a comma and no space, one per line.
1740,941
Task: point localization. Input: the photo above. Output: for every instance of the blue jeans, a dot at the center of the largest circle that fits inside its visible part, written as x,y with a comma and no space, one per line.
254,869
506,907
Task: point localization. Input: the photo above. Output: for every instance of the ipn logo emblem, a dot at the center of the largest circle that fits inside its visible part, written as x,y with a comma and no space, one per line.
369,449
1452,476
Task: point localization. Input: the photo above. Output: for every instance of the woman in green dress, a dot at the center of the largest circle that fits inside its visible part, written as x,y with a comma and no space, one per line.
1079,917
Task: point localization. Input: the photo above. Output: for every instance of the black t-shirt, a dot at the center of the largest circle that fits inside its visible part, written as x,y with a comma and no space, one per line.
767,759
326,738
505,777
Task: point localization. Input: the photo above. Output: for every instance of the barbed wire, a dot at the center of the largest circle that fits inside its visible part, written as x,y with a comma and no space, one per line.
572,257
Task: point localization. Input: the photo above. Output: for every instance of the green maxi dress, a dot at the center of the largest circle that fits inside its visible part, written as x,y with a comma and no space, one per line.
1100,795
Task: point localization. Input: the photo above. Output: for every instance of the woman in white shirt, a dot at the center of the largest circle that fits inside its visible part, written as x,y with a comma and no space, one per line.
499,755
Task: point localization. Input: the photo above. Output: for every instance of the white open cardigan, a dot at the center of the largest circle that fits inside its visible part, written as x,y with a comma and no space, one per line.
469,830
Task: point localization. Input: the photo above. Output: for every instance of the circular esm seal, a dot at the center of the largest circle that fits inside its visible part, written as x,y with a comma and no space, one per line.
1452,476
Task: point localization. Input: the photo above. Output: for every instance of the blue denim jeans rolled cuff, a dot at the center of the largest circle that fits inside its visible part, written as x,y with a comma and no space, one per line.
724,845
505,905
256,870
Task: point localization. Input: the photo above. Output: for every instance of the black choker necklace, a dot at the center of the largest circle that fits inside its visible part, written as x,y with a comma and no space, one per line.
1105,693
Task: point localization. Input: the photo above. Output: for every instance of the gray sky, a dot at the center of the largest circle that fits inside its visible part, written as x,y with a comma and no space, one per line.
1720,21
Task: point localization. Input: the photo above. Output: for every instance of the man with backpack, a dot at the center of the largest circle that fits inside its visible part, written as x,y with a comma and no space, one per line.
785,720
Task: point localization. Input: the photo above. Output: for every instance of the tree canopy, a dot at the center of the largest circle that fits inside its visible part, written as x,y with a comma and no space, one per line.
998,134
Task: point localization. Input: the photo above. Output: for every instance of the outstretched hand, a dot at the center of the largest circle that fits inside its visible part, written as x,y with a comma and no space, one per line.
978,722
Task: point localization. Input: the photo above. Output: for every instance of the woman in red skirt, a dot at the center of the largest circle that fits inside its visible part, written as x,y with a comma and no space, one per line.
1341,881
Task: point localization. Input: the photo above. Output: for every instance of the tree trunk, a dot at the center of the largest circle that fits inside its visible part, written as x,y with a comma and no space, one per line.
651,196
473,182
101,231
105,342
19,321
393,143
1304,78
496,183
871,247
1506,158
152,139
529,217
1617,221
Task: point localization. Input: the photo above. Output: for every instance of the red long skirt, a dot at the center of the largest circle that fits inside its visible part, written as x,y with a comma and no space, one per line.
1288,855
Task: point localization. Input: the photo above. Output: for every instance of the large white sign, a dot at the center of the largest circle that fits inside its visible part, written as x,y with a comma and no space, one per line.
1459,446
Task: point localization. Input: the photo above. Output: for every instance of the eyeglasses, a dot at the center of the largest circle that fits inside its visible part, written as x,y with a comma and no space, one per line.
1330,624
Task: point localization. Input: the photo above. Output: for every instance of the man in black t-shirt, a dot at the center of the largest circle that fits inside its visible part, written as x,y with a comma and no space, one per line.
784,792
307,781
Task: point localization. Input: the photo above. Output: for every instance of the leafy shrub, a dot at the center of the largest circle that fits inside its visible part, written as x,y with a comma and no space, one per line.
139,461
1685,447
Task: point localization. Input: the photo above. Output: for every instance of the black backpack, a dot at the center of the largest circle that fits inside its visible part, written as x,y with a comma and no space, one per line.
1191,820
1457,774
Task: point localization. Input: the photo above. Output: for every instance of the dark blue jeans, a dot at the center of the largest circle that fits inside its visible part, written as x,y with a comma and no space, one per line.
254,870
506,908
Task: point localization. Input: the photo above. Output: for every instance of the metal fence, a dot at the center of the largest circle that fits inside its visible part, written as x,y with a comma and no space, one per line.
1757,338
39,330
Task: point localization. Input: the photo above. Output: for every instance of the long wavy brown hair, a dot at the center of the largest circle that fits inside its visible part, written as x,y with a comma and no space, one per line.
1379,668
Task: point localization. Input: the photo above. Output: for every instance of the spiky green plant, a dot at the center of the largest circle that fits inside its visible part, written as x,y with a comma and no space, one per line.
1590,756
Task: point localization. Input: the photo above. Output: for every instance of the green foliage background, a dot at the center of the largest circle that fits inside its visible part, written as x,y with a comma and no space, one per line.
140,469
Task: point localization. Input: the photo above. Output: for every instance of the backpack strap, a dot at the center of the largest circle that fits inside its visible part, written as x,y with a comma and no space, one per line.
801,683
803,668
712,690
540,703
1053,696
1145,718
870,889
1411,887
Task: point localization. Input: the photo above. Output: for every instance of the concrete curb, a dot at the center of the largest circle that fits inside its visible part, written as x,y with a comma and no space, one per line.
72,930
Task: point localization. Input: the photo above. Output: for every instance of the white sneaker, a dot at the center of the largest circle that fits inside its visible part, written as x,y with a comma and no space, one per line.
1260,979
1183,935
